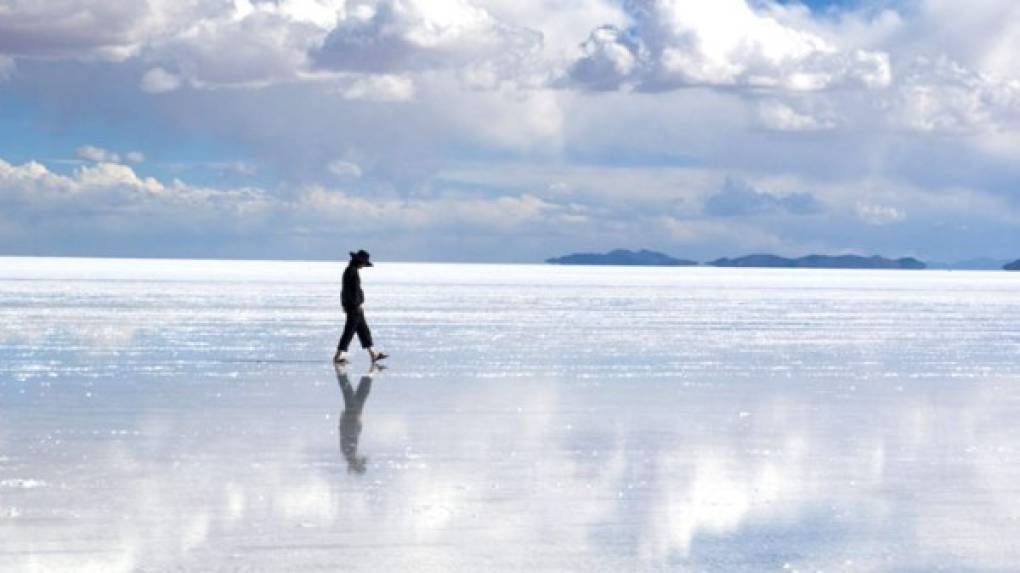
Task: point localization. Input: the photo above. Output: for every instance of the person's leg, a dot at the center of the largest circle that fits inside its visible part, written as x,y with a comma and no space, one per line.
350,327
364,333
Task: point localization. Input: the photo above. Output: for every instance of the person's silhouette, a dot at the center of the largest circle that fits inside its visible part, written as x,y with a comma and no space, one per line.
350,418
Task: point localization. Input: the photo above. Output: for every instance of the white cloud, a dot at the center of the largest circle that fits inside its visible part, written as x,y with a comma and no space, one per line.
134,157
100,155
89,29
403,35
108,199
944,97
499,214
252,46
383,87
724,43
112,176
874,214
609,57
927,98
157,80
780,116
97,154
343,168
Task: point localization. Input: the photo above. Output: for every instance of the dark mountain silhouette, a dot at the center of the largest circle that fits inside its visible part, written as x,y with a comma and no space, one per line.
643,257
1014,266
820,262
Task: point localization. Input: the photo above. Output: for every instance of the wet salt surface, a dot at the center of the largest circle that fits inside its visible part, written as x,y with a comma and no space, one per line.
183,415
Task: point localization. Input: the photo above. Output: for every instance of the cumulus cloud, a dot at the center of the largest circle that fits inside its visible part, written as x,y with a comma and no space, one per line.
394,36
109,206
253,45
343,168
157,81
942,96
134,157
100,155
33,185
738,198
725,43
784,98
97,154
89,29
105,200
610,55
505,213
875,214
380,87
780,116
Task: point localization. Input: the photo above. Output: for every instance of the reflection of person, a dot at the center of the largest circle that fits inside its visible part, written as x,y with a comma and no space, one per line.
350,419
352,297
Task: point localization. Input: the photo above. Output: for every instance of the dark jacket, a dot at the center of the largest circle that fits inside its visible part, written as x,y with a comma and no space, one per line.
351,295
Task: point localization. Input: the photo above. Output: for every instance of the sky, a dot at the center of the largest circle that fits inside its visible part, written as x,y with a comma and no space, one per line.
509,130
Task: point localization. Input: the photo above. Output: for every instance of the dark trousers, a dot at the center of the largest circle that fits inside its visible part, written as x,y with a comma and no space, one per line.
355,324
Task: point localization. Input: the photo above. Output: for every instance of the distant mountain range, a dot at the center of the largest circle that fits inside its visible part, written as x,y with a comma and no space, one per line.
645,257
622,257
821,262
980,264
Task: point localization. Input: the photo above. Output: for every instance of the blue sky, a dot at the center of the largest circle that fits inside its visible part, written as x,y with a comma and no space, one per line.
498,130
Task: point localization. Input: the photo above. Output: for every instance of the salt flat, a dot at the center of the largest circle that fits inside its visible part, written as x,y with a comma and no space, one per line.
183,415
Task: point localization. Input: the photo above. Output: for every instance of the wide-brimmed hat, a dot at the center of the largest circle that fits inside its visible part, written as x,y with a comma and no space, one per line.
362,257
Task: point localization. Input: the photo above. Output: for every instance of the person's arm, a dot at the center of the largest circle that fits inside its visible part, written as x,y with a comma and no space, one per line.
349,294
361,293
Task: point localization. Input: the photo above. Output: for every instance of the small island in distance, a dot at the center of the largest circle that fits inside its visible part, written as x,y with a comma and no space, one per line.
1014,266
821,262
645,257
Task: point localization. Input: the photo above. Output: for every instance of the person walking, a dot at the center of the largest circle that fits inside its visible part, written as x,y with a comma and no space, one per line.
351,298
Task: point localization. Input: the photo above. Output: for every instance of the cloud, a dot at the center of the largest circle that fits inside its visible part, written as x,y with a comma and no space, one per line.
252,46
500,214
92,153
780,116
610,55
725,43
382,87
877,113
105,201
109,206
386,36
72,29
209,43
874,214
942,96
106,186
738,198
342,168
134,157
157,81
100,155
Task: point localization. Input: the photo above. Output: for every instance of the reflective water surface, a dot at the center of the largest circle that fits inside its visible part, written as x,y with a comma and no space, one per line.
184,415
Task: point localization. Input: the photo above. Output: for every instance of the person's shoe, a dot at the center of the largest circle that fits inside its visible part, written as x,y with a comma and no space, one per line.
340,357
377,355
